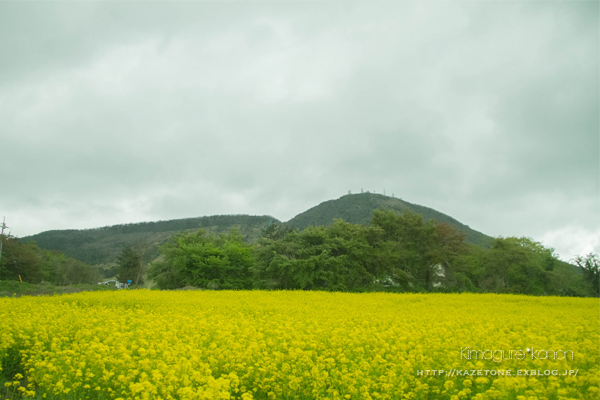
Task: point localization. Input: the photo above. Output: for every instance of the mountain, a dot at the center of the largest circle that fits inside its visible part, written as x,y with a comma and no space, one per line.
358,209
99,245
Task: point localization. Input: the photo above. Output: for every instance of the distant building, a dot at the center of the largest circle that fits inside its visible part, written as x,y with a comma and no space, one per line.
118,285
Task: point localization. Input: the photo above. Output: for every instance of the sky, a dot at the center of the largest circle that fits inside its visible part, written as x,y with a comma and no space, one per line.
121,112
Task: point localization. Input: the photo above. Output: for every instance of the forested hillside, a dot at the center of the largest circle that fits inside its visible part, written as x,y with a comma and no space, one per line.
28,263
395,252
358,209
391,251
101,245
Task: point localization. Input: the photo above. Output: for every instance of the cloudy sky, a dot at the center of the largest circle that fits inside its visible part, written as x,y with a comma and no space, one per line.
139,111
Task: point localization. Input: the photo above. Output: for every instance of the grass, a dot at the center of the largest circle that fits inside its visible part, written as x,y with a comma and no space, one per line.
18,289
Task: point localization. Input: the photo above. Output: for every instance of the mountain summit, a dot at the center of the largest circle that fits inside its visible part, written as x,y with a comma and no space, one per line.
358,209
96,246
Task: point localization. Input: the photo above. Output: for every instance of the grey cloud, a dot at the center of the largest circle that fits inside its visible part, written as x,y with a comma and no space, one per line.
120,112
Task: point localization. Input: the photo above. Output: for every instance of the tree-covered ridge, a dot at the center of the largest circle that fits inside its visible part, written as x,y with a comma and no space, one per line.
395,252
28,263
358,209
102,245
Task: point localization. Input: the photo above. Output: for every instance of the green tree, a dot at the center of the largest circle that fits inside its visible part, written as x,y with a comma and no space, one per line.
22,260
275,253
468,269
33,265
411,242
202,260
340,257
518,265
62,270
590,268
131,266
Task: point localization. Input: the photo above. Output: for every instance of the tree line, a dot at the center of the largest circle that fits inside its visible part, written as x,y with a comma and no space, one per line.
396,252
28,263
103,245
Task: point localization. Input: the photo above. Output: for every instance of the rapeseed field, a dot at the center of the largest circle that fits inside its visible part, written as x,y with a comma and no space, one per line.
300,345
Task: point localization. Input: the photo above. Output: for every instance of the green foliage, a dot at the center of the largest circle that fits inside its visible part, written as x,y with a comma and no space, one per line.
341,256
410,240
422,254
468,269
130,266
16,288
359,209
103,245
62,270
203,260
20,260
398,247
11,363
108,269
402,252
516,265
590,268
35,265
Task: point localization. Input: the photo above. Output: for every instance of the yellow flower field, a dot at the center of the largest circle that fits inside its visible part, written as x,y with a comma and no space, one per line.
301,345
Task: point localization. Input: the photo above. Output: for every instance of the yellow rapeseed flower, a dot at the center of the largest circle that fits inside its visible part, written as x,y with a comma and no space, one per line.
247,345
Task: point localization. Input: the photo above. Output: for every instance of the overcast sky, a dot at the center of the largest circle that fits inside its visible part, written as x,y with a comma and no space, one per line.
140,111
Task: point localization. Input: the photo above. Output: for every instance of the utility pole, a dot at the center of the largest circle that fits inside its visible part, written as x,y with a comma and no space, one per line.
2,234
